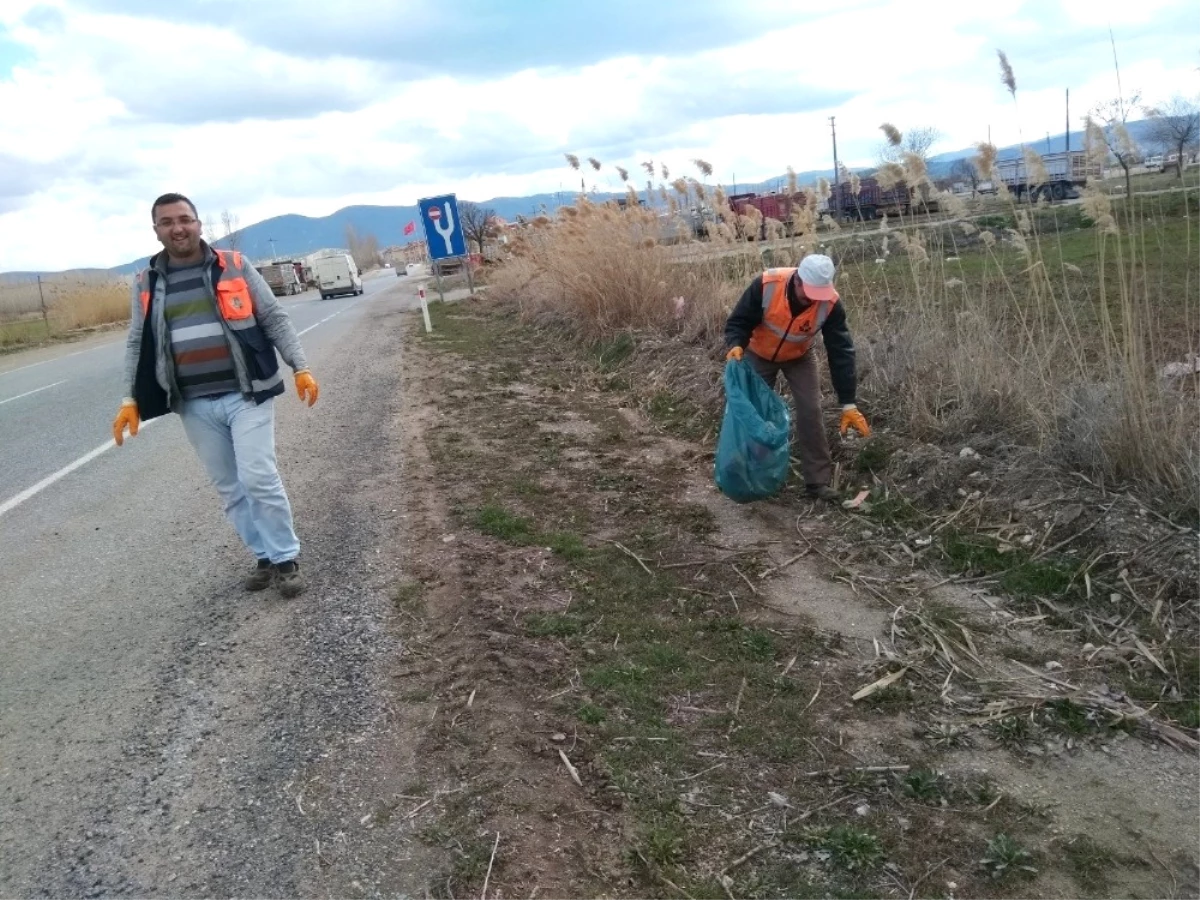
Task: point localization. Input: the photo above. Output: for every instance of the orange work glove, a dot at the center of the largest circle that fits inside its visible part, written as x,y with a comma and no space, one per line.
126,418
852,418
734,353
306,386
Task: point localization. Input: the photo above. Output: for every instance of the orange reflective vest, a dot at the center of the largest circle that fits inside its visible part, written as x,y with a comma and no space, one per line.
783,337
233,294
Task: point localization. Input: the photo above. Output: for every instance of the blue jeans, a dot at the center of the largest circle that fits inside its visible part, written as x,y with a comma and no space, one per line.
235,440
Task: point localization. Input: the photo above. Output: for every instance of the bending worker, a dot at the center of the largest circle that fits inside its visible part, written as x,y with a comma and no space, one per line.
776,323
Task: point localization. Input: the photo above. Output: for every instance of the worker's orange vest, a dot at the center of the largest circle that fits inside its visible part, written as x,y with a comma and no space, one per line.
233,294
782,337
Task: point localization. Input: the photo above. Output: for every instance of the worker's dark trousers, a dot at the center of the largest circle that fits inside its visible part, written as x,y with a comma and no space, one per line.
803,379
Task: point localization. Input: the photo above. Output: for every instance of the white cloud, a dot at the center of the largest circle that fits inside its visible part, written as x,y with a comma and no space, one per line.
118,105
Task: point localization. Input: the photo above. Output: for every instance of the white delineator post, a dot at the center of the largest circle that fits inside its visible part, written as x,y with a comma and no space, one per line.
425,309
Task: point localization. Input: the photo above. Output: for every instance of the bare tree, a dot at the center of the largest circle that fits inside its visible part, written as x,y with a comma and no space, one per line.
964,170
1176,126
477,222
229,226
209,229
917,141
1106,122
364,249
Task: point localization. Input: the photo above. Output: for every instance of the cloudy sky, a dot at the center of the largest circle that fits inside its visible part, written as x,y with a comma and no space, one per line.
278,106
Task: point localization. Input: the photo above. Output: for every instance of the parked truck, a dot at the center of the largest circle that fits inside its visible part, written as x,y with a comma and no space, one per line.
282,278
337,275
777,206
873,200
1065,174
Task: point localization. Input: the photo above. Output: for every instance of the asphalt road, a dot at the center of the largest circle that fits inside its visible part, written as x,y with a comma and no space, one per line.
161,731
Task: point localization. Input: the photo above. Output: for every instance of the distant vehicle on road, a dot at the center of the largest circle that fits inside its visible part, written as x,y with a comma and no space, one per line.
336,275
282,277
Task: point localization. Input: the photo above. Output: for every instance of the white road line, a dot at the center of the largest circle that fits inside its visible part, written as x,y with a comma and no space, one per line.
13,502
327,318
34,391
58,358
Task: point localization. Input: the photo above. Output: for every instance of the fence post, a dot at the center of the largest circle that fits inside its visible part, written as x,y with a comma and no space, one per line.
42,302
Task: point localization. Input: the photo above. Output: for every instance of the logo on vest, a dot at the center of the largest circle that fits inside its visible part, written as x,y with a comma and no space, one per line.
236,303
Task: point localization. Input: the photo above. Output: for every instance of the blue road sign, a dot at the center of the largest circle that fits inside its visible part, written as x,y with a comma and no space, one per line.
443,228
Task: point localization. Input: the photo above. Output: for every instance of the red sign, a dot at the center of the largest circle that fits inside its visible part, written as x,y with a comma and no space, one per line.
434,213
410,228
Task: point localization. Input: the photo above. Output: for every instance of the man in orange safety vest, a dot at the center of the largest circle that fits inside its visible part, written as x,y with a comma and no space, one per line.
775,324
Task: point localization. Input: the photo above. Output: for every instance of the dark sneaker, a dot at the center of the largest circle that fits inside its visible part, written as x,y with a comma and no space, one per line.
260,579
288,578
821,492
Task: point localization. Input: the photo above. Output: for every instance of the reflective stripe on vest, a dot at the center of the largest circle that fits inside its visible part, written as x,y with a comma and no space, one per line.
233,293
781,336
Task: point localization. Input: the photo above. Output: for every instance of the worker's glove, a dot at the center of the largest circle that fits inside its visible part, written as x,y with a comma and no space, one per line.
852,418
126,418
306,386
734,353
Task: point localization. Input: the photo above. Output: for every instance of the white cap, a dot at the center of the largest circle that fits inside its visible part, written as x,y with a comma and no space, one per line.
816,273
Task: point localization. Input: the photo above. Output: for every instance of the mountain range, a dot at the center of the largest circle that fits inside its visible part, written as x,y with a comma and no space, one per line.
293,235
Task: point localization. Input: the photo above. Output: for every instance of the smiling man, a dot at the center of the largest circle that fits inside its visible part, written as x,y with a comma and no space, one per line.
203,333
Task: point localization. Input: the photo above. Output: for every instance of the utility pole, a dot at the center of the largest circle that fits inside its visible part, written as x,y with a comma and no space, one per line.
836,192
1068,122
271,241
833,131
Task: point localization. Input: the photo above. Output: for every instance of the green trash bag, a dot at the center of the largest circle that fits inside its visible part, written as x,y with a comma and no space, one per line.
752,449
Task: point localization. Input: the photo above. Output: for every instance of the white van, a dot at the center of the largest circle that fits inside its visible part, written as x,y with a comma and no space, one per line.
337,275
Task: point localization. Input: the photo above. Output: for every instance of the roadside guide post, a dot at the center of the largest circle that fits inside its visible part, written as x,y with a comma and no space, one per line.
425,309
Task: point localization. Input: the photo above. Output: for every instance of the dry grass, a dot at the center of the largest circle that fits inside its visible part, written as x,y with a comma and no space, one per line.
71,303
599,271
1043,332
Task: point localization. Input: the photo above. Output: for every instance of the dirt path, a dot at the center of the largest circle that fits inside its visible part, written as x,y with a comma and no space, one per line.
636,687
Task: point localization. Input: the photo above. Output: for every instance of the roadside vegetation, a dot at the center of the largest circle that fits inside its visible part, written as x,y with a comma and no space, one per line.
1065,329
60,306
633,692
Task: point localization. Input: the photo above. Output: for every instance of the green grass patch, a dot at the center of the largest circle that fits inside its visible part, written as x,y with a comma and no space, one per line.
874,454
1089,863
896,510
552,625
30,331
1006,858
1070,718
609,354
407,595
590,714
851,846
675,413
500,523
1019,573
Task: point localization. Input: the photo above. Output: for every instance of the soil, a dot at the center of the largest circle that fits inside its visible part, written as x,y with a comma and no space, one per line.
549,499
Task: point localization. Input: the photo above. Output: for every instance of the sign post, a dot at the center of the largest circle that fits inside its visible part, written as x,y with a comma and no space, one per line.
444,235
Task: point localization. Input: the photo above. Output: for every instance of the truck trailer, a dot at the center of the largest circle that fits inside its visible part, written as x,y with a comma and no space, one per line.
282,278
1065,173
873,200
